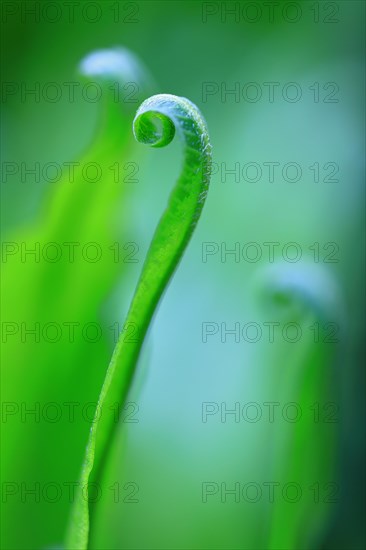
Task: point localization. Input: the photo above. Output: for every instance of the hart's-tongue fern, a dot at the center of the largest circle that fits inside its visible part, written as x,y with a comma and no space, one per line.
156,122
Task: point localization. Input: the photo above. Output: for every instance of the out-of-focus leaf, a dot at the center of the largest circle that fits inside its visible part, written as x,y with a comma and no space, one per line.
57,370
304,383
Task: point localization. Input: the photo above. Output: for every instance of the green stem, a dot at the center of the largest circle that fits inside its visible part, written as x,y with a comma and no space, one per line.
156,122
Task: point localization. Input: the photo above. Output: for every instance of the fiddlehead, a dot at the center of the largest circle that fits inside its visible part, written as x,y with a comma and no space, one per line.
311,288
119,81
303,372
156,122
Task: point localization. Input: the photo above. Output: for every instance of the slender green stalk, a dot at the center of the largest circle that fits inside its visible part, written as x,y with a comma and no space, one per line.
155,124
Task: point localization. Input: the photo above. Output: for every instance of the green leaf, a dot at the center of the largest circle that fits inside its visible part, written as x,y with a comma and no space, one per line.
36,370
304,380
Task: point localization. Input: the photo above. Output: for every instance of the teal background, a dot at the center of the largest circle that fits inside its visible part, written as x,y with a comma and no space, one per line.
170,452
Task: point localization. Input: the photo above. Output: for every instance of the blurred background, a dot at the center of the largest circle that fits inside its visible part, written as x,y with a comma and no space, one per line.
233,437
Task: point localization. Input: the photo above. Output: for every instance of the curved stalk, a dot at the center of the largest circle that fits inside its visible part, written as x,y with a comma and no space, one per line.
156,122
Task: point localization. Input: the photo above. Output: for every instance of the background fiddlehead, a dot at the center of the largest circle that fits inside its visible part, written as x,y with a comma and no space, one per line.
66,292
303,372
